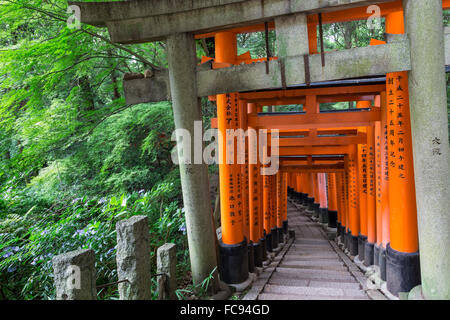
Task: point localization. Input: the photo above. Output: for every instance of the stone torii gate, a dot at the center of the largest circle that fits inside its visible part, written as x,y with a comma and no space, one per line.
420,53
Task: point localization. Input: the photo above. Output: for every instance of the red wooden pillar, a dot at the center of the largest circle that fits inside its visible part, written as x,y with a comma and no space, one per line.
332,201
353,201
233,247
255,210
402,265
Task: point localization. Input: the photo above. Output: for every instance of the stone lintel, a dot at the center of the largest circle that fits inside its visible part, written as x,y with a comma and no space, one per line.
346,64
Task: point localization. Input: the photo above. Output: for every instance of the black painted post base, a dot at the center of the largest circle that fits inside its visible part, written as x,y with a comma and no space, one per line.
343,233
297,197
368,253
402,270
233,266
332,219
361,246
251,257
286,228
302,198
376,255
258,254
346,240
269,247
338,228
353,245
382,262
323,215
310,206
316,211
263,248
292,234
289,191
275,241
280,236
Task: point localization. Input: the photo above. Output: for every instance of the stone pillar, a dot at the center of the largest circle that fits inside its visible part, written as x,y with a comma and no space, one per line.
133,259
292,35
166,264
194,177
429,126
75,276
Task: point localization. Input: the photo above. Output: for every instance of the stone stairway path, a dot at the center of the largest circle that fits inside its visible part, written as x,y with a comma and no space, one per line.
307,268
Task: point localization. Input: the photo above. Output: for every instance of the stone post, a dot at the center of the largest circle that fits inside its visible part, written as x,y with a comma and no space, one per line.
194,177
75,275
133,258
429,126
167,265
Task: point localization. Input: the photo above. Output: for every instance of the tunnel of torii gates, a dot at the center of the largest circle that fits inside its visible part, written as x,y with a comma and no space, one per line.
377,174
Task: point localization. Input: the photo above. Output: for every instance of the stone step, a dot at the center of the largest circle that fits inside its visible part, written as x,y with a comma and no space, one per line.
297,248
312,241
314,275
319,269
313,291
272,296
308,257
311,265
284,281
313,262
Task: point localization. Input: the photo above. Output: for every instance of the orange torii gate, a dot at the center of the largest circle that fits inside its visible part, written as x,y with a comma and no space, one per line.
415,75
296,141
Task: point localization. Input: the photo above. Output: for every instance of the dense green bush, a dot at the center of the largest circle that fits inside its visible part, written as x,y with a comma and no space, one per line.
28,242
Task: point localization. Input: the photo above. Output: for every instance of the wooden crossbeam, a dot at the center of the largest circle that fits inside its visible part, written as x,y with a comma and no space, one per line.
323,94
305,159
316,168
320,120
305,151
301,100
301,163
360,138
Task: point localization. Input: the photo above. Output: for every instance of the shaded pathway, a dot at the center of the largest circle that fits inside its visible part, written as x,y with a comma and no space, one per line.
307,268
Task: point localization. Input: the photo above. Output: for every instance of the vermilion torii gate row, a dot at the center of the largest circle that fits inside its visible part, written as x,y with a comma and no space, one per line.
372,188
362,198
300,142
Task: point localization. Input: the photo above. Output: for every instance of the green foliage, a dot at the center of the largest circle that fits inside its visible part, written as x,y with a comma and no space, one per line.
69,144
256,43
346,35
29,241
199,290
